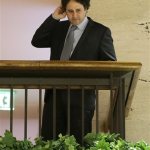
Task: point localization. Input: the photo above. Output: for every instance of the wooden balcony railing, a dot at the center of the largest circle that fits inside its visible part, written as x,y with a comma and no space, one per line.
118,77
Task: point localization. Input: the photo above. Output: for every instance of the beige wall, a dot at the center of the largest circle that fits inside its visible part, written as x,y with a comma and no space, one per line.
129,21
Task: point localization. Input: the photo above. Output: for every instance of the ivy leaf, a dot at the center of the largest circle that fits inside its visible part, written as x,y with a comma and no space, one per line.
142,145
103,145
71,141
8,139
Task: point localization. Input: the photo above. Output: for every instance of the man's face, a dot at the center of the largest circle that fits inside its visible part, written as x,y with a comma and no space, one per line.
75,12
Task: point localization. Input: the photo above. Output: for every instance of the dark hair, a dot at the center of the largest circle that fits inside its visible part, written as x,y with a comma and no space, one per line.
85,3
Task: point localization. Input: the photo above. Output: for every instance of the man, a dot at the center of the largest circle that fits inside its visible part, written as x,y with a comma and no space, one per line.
91,41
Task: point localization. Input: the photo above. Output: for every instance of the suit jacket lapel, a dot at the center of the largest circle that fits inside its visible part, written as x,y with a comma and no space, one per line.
64,32
62,35
83,36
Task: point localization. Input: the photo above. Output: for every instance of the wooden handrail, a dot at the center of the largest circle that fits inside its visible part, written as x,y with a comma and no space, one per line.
77,65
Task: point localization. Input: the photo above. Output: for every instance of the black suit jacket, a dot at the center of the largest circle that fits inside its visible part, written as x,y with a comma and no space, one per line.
95,43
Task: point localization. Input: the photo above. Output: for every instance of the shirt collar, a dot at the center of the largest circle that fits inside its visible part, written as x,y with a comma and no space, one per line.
83,24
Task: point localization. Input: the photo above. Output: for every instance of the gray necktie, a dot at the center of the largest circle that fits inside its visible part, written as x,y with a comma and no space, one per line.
68,46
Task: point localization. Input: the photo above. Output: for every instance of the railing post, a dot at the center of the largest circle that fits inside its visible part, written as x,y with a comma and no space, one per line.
97,110
68,110
54,112
25,113
40,109
11,109
83,111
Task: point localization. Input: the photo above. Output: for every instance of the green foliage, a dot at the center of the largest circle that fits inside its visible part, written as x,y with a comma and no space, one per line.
63,143
8,142
105,141
93,141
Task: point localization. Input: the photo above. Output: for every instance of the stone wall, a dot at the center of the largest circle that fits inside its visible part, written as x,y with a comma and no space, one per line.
129,21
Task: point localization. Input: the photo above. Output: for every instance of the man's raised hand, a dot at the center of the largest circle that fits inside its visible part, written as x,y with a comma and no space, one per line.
59,13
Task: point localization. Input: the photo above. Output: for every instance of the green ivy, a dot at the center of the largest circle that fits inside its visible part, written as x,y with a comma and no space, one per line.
92,141
105,141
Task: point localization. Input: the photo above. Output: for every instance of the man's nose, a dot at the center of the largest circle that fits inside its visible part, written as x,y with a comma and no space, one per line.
74,14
